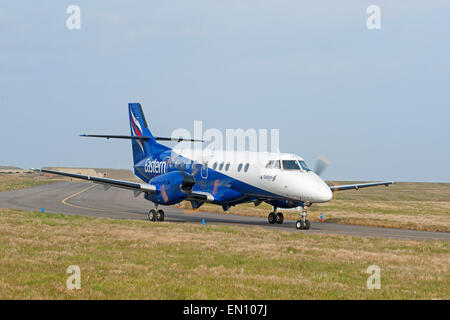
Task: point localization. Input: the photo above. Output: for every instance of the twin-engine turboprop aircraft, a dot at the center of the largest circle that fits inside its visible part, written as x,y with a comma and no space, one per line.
225,178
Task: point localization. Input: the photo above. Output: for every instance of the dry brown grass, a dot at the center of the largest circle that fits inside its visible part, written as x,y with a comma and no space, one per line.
415,206
22,180
123,259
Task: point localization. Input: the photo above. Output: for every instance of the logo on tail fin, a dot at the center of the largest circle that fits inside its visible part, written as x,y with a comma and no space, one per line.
137,130
135,125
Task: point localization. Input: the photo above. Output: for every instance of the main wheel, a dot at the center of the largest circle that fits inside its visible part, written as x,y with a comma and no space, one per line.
160,215
280,218
152,215
272,218
307,225
299,224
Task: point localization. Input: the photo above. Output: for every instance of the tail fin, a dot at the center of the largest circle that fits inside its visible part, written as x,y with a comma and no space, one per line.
139,127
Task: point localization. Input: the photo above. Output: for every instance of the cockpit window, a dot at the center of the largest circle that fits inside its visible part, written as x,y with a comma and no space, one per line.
277,165
270,164
290,165
303,165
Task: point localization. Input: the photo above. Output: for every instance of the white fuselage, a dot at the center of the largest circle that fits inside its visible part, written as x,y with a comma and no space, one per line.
254,168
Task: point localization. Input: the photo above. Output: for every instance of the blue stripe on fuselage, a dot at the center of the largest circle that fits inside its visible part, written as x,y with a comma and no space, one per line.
215,183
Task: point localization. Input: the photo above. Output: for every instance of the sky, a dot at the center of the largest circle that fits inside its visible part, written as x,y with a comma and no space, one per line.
376,103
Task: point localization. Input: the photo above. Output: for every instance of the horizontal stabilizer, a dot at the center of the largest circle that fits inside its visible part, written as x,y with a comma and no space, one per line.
114,136
137,137
177,139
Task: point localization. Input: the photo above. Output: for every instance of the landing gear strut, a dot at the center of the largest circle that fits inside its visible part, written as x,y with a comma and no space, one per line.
303,224
156,215
275,217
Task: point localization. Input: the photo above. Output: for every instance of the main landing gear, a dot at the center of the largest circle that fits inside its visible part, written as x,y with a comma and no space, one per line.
156,215
275,217
303,224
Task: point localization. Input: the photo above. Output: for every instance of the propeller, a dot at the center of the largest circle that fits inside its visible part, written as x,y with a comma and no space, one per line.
188,182
188,179
321,164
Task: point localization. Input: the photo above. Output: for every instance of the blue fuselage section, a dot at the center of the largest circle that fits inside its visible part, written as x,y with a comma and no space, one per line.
225,189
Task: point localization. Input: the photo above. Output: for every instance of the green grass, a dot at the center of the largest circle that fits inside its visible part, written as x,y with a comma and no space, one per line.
124,259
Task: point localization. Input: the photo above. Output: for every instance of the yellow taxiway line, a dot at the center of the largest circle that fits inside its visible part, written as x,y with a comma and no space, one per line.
64,201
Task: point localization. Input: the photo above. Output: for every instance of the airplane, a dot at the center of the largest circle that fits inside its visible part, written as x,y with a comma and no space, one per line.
225,178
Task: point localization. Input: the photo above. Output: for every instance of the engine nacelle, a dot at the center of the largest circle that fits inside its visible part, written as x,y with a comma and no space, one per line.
225,194
173,187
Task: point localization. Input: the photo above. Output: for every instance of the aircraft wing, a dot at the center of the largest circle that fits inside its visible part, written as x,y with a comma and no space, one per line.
360,185
135,186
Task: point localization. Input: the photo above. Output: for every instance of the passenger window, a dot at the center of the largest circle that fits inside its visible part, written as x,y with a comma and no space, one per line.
221,166
277,165
246,167
227,166
239,167
270,164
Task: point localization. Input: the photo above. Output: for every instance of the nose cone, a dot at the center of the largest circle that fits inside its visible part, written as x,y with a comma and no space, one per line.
308,186
324,194
322,190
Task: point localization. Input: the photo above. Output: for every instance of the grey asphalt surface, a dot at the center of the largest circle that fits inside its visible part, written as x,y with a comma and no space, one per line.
80,198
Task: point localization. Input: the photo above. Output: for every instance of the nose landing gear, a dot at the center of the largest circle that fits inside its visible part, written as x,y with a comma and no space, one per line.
303,224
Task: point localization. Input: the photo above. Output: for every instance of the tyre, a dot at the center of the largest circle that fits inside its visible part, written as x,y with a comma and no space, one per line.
160,215
152,215
299,224
280,218
272,218
307,225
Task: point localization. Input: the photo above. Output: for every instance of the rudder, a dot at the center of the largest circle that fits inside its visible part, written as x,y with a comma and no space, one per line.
139,128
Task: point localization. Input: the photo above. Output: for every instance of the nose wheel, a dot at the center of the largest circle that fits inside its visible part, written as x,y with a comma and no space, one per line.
303,223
